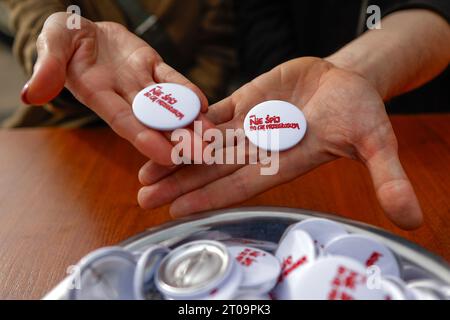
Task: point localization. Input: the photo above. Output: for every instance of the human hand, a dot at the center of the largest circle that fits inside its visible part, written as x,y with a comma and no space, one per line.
104,66
346,118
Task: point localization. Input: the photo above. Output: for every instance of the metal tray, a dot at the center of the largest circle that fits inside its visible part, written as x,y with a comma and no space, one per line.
268,224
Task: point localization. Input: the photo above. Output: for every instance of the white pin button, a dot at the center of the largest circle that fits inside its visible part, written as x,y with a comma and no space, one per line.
295,252
367,251
393,290
229,288
260,269
396,289
146,268
335,278
166,106
275,125
105,274
322,231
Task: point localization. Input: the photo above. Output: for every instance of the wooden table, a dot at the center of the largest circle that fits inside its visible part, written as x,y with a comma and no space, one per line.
64,193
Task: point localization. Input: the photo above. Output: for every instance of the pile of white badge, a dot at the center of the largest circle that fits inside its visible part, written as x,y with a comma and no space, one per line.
316,259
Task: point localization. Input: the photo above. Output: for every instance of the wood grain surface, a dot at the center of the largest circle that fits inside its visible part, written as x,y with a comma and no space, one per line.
64,193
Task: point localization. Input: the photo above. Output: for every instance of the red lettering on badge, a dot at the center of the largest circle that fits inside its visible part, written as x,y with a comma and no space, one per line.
164,100
248,257
288,266
270,123
344,283
373,259
213,292
254,121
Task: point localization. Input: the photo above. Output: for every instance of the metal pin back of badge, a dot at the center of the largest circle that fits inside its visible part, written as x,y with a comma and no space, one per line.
275,125
105,274
367,251
260,269
147,265
197,270
166,106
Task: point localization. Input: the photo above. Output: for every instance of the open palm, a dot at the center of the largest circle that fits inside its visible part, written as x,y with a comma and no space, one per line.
104,66
346,118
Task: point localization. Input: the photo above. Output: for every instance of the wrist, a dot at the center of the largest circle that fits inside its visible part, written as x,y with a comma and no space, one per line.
408,51
361,63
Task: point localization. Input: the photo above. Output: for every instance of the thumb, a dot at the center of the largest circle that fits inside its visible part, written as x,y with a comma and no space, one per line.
394,190
54,48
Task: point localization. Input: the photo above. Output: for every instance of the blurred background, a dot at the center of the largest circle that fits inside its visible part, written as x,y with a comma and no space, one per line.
12,80
12,77
215,65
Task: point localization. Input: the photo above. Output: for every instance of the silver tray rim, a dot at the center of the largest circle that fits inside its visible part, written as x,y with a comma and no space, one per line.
406,249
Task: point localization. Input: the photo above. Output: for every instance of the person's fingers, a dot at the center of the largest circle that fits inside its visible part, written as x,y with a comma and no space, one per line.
222,114
179,182
164,73
189,146
240,186
394,190
152,172
55,47
117,113
130,87
222,111
197,145
250,180
205,122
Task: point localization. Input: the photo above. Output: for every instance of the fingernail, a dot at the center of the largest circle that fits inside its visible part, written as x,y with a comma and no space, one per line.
24,93
147,200
142,177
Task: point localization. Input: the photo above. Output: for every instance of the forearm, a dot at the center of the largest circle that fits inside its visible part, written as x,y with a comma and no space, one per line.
412,48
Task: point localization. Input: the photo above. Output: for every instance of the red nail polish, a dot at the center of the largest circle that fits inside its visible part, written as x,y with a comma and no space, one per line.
24,93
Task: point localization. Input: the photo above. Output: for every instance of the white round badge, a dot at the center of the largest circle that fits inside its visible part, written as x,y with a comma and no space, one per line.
322,231
106,274
275,125
335,278
366,251
166,106
260,269
295,252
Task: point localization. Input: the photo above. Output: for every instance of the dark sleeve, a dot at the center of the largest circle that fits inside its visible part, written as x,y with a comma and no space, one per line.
441,7
264,35
26,18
